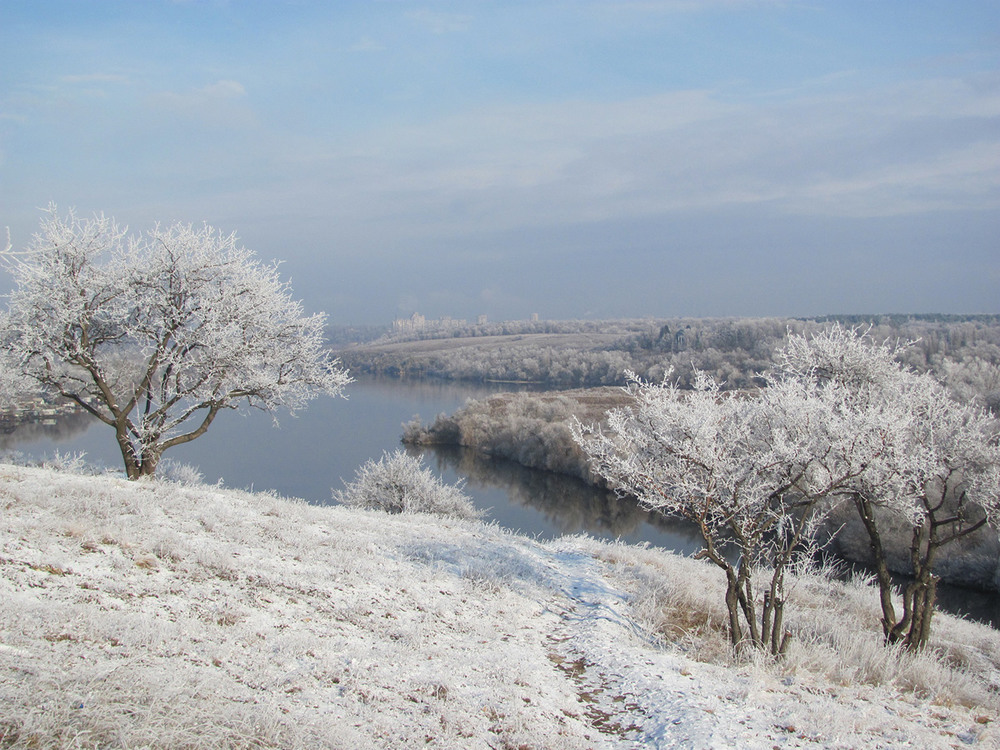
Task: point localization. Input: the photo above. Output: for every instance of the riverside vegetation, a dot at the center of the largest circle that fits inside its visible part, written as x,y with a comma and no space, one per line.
535,429
837,388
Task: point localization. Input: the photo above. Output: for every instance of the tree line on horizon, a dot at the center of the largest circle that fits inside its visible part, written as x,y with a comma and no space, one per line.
963,351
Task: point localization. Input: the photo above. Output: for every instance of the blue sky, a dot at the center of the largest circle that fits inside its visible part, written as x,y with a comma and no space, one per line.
574,159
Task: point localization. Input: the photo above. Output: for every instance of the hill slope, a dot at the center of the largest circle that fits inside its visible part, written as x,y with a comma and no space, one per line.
151,614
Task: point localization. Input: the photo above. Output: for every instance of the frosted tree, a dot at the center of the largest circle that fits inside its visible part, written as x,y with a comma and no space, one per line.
921,460
954,477
155,334
743,468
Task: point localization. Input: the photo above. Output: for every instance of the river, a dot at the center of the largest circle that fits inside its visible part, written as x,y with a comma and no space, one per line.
312,453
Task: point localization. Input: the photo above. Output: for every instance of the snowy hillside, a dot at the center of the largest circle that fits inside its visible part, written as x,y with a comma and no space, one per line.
157,615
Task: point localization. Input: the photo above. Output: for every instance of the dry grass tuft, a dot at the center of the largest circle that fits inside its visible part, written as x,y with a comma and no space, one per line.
836,631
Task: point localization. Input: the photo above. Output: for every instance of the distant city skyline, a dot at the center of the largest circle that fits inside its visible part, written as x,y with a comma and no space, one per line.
595,159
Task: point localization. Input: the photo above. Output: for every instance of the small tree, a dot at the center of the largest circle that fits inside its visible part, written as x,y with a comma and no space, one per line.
955,476
743,468
934,465
155,334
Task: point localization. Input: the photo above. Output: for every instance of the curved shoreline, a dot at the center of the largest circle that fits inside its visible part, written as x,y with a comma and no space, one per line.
532,429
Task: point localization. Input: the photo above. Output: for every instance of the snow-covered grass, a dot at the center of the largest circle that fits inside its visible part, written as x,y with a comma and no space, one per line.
836,632
156,614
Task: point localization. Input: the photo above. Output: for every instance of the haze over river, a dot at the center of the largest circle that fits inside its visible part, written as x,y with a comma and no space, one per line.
312,453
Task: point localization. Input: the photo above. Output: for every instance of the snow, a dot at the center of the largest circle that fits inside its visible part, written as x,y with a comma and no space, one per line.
151,614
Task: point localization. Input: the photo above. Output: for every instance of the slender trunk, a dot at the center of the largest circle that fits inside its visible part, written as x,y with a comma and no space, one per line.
866,511
774,613
767,615
915,629
920,633
748,604
734,594
733,605
911,592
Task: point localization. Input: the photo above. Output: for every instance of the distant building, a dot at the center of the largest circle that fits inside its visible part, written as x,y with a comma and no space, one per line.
481,320
534,317
415,322
418,322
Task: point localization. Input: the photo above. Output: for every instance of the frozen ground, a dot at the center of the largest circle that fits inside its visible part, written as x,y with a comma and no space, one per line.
156,615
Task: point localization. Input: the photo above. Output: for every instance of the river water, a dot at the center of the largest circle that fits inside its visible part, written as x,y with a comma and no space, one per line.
310,454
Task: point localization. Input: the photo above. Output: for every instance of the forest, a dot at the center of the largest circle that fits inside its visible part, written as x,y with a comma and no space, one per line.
963,351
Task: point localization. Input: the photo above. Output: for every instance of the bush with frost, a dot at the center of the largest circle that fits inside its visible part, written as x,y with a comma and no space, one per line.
398,483
181,473
71,463
935,474
841,421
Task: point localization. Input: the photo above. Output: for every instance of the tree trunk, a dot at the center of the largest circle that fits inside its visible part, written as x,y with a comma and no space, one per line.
143,465
773,618
733,605
132,462
866,511
748,605
920,595
920,630
150,461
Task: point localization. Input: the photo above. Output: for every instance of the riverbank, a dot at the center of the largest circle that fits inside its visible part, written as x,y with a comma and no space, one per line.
159,615
533,430
529,428
961,350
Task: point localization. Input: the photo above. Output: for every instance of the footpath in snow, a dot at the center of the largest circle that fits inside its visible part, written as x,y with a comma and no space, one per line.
157,615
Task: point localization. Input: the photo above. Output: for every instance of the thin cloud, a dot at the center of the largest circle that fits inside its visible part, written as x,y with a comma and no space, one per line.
367,44
220,91
220,104
224,89
94,78
894,151
440,23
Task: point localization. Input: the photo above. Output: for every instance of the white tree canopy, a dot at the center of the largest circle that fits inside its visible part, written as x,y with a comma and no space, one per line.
918,456
840,419
155,333
906,432
746,469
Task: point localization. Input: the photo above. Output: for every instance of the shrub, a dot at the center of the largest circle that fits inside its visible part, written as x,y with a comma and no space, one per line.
398,483
180,473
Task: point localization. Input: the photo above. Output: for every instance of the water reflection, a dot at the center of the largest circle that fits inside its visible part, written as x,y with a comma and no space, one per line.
56,430
565,504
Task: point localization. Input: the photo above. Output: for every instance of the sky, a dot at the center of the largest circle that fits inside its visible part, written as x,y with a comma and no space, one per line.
586,159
